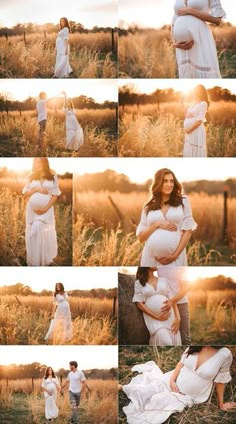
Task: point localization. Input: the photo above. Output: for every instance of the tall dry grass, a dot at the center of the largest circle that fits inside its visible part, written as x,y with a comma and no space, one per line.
150,53
19,134
90,56
152,132
100,237
28,322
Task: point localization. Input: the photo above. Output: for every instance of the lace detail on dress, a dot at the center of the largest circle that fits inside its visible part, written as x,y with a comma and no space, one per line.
198,67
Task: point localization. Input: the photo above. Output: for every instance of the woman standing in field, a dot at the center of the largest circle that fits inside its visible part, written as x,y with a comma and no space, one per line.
74,132
62,66
42,192
61,325
150,295
195,46
166,223
49,385
195,133
155,396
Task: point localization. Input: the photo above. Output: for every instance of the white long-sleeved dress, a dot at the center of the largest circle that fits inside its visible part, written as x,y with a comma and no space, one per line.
152,400
74,131
163,242
154,298
41,237
195,142
62,65
201,60
51,409
60,327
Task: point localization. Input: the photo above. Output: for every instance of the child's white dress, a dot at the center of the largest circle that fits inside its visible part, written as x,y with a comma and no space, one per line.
195,142
74,131
62,66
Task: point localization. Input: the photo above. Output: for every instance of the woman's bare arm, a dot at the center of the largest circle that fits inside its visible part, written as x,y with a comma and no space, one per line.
175,325
227,406
174,376
203,16
163,316
66,46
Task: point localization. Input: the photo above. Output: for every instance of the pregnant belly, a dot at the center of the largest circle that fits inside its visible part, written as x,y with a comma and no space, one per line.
183,28
51,388
163,242
189,122
155,302
190,383
39,200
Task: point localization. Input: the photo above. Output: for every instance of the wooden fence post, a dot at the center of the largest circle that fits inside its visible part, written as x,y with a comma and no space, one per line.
225,235
114,306
112,40
32,384
6,36
7,381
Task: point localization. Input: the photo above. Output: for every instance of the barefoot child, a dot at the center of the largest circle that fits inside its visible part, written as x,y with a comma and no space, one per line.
42,117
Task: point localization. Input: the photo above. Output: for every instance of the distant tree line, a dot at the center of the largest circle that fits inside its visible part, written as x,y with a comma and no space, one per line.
221,282
30,28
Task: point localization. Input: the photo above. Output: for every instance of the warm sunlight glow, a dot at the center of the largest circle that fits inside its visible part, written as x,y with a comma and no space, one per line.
194,273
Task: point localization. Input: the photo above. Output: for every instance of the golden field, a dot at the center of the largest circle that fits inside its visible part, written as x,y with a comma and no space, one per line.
100,407
152,132
19,134
150,53
27,321
101,238
90,56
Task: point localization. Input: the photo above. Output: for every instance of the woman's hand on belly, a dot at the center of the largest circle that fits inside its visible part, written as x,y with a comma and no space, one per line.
173,386
165,260
185,11
40,211
184,45
168,225
42,190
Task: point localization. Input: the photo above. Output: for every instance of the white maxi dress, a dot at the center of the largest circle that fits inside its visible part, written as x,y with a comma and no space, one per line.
41,237
160,331
201,60
61,325
62,65
51,409
74,131
152,401
195,142
163,242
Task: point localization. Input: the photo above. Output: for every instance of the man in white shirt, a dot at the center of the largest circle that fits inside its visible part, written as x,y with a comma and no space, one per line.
176,275
77,382
41,107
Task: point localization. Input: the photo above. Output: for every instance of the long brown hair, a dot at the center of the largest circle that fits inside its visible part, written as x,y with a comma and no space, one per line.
142,274
155,201
200,93
66,23
197,349
46,173
47,373
61,289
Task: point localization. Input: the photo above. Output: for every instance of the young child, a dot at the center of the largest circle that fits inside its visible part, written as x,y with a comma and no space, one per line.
42,117
74,131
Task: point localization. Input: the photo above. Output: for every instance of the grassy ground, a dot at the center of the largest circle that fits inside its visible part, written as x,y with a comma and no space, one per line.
167,358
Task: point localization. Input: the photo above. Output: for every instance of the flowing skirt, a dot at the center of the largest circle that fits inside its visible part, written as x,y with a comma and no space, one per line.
51,409
41,243
62,65
195,143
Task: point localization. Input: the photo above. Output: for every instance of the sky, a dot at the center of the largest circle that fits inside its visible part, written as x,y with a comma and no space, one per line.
100,90
88,357
138,170
150,85
74,278
194,273
156,13
86,12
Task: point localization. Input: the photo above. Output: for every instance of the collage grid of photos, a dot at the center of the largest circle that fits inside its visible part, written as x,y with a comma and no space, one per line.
117,212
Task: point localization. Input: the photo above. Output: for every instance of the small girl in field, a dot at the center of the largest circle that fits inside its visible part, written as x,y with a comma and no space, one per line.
74,132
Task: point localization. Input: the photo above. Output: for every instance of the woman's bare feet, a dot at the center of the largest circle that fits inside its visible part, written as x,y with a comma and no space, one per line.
120,387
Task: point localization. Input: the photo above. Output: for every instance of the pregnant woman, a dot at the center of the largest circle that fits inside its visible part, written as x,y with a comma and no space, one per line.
74,132
166,223
60,329
150,295
155,396
62,66
42,192
49,386
195,46
195,133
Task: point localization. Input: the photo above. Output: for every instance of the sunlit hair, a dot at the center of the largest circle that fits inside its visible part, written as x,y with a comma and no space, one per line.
142,274
196,349
200,94
69,104
66,23
42,95
60,290
47,373
155,201
45,173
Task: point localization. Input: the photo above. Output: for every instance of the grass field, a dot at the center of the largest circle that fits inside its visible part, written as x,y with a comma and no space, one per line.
16,405
18,134
150,53
91,56
28,323
102,237
12,223
166,359
149,131
213,317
